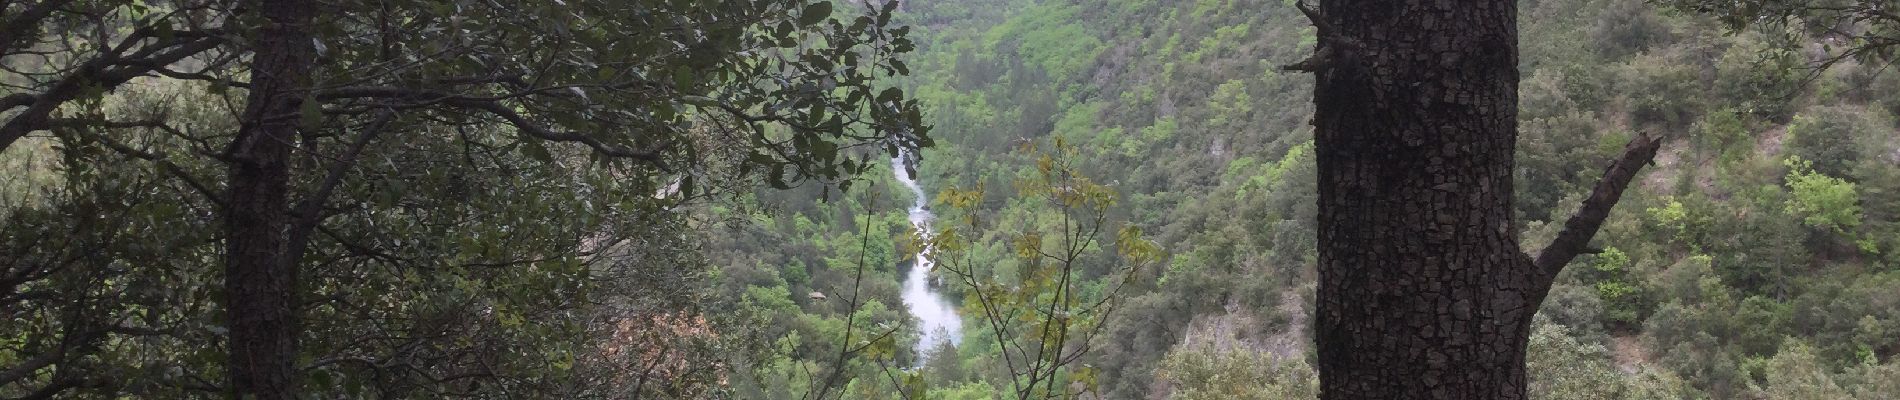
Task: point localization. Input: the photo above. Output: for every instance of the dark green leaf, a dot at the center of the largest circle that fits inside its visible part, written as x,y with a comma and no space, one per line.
535,150
815,13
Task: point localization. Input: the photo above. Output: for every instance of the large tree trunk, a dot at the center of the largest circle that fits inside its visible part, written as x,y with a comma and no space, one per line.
260,277
1424,292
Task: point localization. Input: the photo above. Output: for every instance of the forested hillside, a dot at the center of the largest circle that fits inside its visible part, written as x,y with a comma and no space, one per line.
1755,259
780,199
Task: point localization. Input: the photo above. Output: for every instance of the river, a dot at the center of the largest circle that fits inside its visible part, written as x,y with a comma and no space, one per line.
938,319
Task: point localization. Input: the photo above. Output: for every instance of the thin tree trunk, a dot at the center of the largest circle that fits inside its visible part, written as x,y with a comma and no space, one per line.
260,277
1424,292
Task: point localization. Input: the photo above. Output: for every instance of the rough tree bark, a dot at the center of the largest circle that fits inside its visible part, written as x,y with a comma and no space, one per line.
1424,292
260,275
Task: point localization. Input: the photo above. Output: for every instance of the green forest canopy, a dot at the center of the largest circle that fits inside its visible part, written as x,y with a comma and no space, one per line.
466,255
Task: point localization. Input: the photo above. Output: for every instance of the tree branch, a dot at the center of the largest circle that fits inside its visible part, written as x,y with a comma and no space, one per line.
27,22
26,368
1331,48
1575,237
78,126
61,383
529,127
494,107
17,100
309,213
99,72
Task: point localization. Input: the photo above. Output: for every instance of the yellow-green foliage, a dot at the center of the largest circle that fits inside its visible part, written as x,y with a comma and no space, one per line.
1822,201
1200,373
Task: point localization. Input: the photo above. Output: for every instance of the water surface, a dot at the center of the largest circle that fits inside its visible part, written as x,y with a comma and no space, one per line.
938,320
